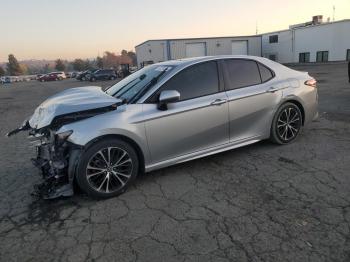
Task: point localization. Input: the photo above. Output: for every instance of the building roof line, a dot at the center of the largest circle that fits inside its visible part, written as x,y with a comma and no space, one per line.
198,38
258,35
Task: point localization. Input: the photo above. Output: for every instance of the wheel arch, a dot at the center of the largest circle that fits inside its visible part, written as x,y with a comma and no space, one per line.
130,141
299,105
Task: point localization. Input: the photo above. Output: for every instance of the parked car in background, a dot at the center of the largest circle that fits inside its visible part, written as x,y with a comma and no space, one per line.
83,76
60,75
69,74
165,114
8,79
102,74
39,75
49,77
75,74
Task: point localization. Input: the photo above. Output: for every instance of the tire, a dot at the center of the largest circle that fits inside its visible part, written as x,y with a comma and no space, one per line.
92,79
112,78
93,175
83,78
286,124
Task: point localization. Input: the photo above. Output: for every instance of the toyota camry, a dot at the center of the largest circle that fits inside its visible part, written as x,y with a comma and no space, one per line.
164,114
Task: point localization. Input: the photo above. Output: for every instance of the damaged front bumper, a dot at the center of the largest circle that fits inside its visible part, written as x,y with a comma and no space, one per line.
56,158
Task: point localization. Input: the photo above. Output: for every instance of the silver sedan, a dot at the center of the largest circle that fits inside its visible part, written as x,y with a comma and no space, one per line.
165,114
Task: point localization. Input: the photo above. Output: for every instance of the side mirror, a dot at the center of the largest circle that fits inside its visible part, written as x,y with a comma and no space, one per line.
166,97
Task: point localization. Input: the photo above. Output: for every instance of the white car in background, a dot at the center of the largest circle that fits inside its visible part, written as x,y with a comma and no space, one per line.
60,75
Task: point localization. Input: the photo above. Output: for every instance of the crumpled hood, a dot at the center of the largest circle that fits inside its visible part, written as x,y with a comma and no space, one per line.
70,101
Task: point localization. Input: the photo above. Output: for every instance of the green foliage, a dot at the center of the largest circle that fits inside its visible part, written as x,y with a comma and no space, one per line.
13,67
2,71
60,66
81,65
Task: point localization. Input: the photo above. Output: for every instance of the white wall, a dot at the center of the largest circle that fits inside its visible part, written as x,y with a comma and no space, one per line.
332,37
215,46
155,51
283,49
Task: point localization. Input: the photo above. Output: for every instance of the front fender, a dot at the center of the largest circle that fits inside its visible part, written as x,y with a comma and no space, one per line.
111,123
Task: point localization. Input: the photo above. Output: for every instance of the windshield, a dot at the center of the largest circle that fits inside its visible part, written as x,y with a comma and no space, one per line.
130,86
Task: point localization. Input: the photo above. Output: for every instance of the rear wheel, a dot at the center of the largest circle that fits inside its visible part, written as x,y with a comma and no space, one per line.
107,168
286,124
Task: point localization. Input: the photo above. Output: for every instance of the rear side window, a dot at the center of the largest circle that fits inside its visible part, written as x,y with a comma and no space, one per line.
195,81
265,73
242,73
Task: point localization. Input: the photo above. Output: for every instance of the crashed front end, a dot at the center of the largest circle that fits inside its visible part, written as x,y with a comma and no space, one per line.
56,157
53,156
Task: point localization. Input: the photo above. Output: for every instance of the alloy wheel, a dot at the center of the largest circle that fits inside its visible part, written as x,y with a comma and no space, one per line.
109,169
288,124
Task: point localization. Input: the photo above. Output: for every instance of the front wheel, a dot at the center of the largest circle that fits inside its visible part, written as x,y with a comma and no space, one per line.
107,168
286,124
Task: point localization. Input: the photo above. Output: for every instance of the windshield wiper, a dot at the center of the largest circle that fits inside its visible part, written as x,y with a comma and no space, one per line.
151,83
121,91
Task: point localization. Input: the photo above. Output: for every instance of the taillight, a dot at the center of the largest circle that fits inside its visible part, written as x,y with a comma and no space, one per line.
311,82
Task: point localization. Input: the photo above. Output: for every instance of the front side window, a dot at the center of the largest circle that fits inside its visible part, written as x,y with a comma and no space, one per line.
322,56
242,73
195,81
304,57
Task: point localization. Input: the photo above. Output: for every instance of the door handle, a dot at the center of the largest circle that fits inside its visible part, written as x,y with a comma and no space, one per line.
272,89
218,102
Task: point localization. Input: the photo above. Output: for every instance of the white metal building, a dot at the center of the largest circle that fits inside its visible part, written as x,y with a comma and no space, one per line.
313,41
154,51
317,42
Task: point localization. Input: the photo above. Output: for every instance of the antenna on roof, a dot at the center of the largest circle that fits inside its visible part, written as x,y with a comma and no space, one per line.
333,13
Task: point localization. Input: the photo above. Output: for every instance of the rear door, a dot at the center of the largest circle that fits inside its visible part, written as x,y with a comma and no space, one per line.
252,100
198,121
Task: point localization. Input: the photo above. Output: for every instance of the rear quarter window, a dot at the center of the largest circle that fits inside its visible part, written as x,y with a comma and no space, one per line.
266,73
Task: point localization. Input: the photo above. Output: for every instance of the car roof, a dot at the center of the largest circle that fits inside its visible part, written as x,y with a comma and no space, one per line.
194,60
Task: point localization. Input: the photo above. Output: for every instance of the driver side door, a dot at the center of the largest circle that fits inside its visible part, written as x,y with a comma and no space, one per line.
198,121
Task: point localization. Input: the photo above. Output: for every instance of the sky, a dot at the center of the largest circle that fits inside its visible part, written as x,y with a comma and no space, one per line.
68,29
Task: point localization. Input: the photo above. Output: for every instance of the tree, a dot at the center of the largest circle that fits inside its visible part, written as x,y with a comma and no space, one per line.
99,62
23,68
60,66
124,52
133,57
2,71
78,65
46,68
13,67
110,60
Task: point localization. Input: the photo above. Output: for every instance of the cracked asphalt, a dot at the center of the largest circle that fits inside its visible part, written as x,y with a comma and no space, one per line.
262,202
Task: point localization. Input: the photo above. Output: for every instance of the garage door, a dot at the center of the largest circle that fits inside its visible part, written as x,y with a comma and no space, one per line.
239,47
195,49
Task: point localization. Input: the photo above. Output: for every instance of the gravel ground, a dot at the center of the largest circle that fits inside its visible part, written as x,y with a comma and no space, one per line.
257,203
